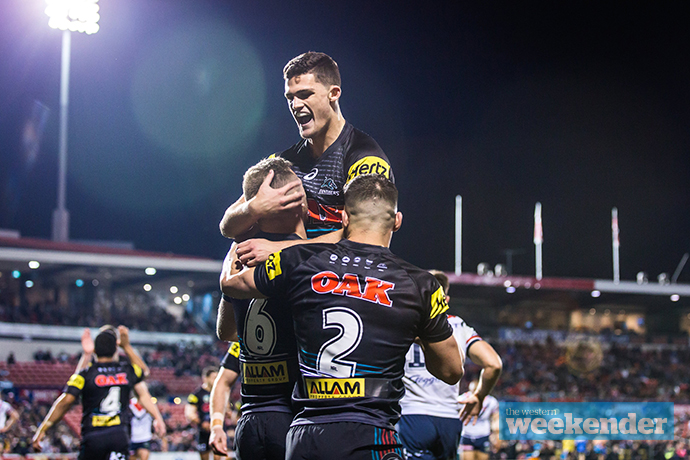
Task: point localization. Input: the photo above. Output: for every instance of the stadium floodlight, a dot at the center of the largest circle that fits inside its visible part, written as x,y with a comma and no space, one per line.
68,16
73,15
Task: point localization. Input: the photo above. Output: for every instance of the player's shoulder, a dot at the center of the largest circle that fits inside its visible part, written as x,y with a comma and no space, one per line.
359,141
291,152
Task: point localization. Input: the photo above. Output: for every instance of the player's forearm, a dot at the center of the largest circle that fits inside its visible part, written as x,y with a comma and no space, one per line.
56,412
226,327
220,394
134,358
238,219
487,381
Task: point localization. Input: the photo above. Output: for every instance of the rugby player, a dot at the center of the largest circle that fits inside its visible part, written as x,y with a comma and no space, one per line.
356,308
431,420
104,388
330,153
197,411
267,350
476,436
220,395
8,416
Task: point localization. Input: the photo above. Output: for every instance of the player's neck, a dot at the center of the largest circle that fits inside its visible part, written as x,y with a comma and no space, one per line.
283,225
320,143
366,236
105,359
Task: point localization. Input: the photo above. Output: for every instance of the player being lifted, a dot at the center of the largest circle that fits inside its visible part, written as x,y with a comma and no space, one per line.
356,308
104,387
431,420
331,153
268,354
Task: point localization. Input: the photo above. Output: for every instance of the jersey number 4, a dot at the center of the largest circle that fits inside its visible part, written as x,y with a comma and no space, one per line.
330,360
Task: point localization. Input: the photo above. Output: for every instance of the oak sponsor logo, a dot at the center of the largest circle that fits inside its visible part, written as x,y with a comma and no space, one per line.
265,373
273,268
334,388
374,290
108,380
606,420
369,165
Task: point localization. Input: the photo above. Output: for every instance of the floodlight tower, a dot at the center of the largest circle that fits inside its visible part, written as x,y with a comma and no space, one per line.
68,16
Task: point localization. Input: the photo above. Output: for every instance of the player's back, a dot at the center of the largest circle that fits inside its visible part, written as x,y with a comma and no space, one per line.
105,389
357,309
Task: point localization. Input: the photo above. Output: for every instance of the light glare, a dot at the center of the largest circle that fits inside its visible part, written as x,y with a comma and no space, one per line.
147,287
34,264
177,300
150,271
74,15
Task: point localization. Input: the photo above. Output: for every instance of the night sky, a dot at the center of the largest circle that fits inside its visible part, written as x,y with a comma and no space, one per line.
579,105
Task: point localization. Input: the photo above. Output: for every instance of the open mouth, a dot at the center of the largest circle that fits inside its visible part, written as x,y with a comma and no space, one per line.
303,117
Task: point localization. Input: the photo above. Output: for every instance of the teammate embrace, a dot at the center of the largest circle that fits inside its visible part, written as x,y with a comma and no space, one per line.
352,308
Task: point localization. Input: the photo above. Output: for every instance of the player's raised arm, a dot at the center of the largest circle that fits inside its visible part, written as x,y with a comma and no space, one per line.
242,215
443,360
54,415
131,353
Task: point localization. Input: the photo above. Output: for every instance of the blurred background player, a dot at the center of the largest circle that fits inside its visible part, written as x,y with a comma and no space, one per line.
478,436
330,154
357,308
104,388
141,432
8,416
197,411
267,352
220,396
431,420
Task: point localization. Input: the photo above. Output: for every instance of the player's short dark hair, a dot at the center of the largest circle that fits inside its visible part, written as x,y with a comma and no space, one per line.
370,188
105,343
321,65
208,370
442,279
255,175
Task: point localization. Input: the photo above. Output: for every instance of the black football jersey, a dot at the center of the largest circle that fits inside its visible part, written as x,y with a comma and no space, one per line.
104,389
268,352
201,399
357,308
231,360
352,154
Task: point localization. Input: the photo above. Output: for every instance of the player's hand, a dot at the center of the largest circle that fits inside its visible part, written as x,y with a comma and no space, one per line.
159,428
472,409
269,200
124,336
36,441
218,441
256,251
87,342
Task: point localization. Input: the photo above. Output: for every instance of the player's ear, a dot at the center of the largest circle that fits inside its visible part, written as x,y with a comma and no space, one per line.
346,219
334,93
398,221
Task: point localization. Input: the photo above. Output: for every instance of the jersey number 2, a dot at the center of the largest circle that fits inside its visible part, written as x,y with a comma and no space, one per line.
330,360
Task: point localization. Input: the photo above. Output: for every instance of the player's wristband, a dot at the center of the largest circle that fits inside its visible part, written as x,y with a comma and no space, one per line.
227,298
217,416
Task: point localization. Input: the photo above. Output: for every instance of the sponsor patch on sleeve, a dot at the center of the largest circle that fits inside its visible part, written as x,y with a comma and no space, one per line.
137,370
76,381
438,303
234,349
273,266
192,399
369,165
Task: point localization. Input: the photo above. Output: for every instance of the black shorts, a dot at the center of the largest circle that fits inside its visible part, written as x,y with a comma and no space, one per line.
108,444
202,438
261,436
342,440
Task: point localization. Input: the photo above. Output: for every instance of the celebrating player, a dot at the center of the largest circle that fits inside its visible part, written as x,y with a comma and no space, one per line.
104,388
331,153
268,354
356,308
431,420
